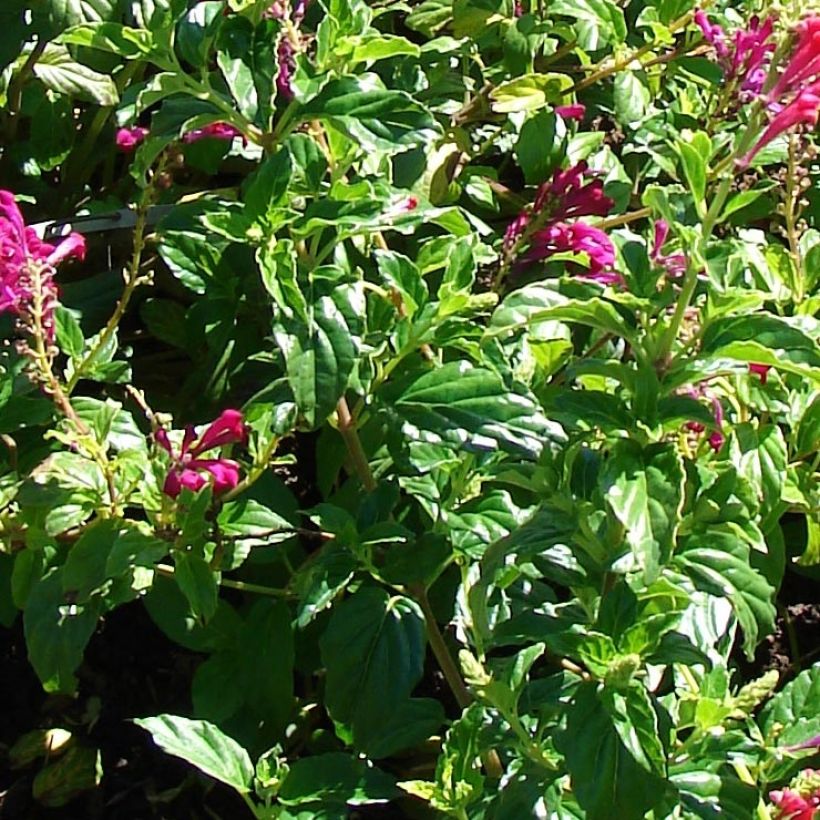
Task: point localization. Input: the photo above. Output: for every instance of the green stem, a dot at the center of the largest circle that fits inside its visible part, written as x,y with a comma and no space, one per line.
442,654
350,435
132,280
15,92
272,592
624,62
691,277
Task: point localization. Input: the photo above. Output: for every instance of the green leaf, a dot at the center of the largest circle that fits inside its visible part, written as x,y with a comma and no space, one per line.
763,339
236,42
265,672
597,21
607,780
130,43
473,17
14,31
77,771
409,725
792,716
471,407
203,745
198,30
335,778
69,333
536,303
373,649
320,581
430,16
401,273
383,46
268,186
252,523
694,170
541,146
216,692
375,118
63,14
644,489
198,583
321,352
718,562
56,632
59,72
759,454
529,93
632,97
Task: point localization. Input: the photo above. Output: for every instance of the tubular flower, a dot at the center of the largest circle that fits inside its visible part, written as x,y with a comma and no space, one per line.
804,64
276,11
747,59
299,11
675,264
573,111
189,470
717,438
127,139
792,805
216,130
566,196
285,57
27,267
577,237
804,109
761,371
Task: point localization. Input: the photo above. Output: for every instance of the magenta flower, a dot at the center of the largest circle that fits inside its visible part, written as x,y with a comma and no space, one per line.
566,196
675,264
127,139
276,11
804,109
747,59
27,266
191,471
717,438
574,111
760,370
563,197
299,11
791,805
577,237
287,65
804,64
713,34
518,9
216,130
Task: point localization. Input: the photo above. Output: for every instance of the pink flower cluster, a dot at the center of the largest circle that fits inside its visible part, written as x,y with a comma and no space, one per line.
189,470
128,139
216,131
566,196
801,801
747,57
716,437
794,99
27,266
674,264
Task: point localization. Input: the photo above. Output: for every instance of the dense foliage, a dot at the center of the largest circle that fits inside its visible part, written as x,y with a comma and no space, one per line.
444,374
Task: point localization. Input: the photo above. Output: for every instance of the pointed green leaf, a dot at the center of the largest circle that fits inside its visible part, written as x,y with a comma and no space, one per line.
203,745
